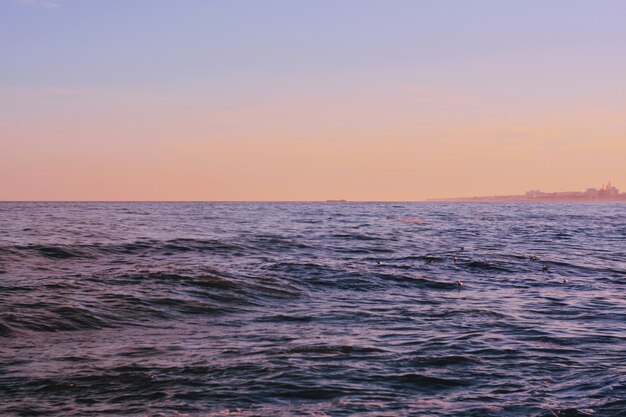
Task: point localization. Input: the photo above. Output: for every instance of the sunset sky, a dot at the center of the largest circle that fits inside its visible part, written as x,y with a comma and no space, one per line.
309,100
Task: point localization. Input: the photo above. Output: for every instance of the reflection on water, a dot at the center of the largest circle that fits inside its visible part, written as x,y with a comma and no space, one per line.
312,309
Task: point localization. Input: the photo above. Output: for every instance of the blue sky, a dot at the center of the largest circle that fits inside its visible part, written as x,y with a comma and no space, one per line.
159,44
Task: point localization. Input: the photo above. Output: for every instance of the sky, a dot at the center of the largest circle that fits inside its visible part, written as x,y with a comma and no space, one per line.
309,100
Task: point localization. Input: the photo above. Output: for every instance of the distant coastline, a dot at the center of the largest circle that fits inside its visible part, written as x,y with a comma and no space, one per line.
606,193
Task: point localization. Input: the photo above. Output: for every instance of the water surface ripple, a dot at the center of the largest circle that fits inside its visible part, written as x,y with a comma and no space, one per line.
312,309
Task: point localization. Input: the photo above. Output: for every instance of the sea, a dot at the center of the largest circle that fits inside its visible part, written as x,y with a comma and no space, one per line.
313,309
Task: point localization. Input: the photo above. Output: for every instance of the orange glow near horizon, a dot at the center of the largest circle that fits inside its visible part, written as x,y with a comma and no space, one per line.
312,148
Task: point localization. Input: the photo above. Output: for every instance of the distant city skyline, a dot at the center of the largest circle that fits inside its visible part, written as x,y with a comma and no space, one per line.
286,101
607,192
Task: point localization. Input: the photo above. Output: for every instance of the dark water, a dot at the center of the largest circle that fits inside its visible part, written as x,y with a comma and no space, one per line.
283,309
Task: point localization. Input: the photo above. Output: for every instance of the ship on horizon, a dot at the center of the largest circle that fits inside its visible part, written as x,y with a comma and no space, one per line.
607,192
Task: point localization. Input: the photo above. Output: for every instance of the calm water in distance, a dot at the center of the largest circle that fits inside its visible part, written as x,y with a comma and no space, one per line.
312,309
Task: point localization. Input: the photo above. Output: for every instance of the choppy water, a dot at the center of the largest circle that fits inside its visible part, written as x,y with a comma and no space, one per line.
314,309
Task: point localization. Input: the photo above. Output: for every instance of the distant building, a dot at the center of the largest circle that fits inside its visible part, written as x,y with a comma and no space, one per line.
608,191
533,194
591,192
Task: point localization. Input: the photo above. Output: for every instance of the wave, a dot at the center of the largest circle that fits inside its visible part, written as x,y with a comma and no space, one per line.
47,308
441,361
567,412
93,251
428,381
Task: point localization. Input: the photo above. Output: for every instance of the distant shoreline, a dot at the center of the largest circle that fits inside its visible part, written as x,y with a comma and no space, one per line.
525,200
607,193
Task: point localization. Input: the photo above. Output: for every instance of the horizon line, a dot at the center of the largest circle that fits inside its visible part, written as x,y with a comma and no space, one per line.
444,200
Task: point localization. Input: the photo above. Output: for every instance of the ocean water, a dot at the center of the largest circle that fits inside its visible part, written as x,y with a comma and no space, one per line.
312,309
